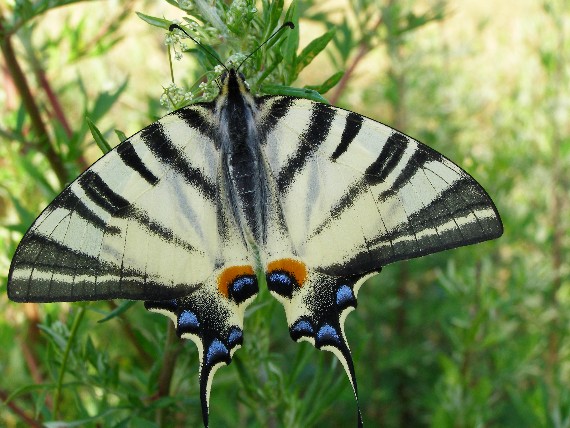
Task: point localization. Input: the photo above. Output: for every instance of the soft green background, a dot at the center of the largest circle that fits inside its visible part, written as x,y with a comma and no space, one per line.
473,337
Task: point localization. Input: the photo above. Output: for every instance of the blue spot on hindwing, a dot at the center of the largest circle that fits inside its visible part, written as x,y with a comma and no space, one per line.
235,337
242,288
217,352
301,328
345,296
280,278
241,283
188,321
281,283
327,335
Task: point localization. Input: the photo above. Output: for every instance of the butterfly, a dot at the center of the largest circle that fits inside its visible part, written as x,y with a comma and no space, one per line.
187,212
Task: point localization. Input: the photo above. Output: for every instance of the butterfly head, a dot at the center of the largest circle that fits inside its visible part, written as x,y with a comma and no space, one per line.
233,80
234,88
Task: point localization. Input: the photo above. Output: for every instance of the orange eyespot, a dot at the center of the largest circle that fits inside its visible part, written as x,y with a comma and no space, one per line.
295,268
228,275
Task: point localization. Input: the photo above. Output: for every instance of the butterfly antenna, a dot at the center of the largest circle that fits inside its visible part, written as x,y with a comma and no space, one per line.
288,24
176,26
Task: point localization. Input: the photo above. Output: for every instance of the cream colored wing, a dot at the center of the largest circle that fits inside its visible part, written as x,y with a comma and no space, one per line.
355,195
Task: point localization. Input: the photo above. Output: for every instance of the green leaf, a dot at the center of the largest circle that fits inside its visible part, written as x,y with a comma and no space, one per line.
142,423
57,338
291,44
328,84
269,68
272,11
120,135
105,101
154,21
123,307
26,389
25,10
247,381
99,139
294,92
312,50
26,217
39,177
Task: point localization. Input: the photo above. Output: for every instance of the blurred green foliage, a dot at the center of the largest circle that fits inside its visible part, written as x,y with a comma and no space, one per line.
474,337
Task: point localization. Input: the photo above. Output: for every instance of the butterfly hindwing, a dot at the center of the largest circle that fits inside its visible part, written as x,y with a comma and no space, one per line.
356,195
316,306
146,222
212,317
185,213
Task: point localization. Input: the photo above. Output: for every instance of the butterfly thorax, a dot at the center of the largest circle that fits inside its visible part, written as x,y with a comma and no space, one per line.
241,163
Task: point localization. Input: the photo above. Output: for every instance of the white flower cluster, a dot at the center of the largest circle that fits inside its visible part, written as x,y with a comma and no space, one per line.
236,59
177,42
239,9
174,97
185,5
209,89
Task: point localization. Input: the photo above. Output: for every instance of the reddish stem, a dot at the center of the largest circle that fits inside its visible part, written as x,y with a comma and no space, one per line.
364,48
28,100
30,421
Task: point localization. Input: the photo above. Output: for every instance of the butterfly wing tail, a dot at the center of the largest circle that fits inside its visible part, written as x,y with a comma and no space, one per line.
316,305
212,317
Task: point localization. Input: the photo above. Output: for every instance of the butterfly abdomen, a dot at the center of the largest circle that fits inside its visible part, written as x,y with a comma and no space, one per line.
244,175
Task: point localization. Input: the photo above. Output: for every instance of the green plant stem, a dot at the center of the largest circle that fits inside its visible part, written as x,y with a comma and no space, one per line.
72,334
28,100
557,208
399,119
171,352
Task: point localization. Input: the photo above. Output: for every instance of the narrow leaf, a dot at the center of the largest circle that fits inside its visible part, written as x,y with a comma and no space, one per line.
157,22
120,135
38,176
105,101
123,307
99,139
291,44
312,50
81,422
328,84
295,92
26,217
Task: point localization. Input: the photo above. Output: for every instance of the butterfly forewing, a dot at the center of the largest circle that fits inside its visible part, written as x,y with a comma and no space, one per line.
379,194
141,223
185,213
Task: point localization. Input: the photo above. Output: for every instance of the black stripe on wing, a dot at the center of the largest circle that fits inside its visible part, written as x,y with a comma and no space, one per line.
59,273
69,201
351,130
437,217
100,193
421,156
157,228
389,157
194,118
131,159
278,109
377,172
173,159
309,141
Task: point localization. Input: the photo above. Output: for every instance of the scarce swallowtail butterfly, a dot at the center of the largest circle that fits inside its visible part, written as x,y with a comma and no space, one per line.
184,213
